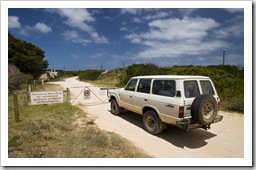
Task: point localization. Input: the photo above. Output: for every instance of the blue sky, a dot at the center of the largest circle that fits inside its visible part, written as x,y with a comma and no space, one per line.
88,38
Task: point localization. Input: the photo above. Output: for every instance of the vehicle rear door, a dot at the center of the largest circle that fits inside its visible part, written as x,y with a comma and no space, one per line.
191,90
207,87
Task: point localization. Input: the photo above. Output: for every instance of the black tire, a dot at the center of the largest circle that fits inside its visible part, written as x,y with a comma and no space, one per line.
114,107
204,109
152,123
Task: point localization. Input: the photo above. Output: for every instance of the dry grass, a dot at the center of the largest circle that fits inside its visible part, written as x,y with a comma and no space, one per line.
106,82
62,131
48,87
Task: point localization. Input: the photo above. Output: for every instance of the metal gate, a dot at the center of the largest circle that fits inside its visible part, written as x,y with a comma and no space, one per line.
88,95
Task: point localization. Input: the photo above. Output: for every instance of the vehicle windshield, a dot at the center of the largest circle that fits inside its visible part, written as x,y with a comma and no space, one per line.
131,85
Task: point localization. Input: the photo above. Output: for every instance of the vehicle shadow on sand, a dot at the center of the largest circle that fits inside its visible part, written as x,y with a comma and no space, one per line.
193,139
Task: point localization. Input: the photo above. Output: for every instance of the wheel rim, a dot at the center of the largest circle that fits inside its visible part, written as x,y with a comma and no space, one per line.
208,110
150,122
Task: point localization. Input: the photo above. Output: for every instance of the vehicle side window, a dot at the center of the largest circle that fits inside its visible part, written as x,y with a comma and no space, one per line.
164,88
191,88
144,85
206,87
131,85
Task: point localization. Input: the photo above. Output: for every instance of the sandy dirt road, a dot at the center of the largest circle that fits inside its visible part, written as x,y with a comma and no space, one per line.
224,140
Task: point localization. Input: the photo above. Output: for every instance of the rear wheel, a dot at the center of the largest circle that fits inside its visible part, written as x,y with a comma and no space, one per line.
152,123
204,109
114,107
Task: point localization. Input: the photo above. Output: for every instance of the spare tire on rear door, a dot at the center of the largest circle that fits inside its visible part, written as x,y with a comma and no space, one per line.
204,109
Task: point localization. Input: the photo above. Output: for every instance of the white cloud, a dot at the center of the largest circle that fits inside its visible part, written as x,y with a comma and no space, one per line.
176,29
74,37
98,55
232,28
175,49
177,37
157,15
75,17
145,14
41,27
75,56
130,10
201,59
99,39
123,29
80,18
13,22
138,11
136,20
187,11
134,38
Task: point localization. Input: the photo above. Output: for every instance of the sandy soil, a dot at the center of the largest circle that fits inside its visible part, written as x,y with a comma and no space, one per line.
224,140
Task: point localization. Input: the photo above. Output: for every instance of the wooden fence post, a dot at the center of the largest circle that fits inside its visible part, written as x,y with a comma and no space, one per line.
25,98
68,94
16,107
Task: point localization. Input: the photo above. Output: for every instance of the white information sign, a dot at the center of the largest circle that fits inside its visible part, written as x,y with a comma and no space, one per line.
46,97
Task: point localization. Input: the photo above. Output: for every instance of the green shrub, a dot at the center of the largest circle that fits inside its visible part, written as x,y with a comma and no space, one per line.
17,78
89,75
140,70
228,81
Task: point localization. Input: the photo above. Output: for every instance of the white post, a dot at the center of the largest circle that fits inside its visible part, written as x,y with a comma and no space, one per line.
29,88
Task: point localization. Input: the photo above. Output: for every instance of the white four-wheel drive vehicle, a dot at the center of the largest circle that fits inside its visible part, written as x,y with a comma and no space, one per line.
188,102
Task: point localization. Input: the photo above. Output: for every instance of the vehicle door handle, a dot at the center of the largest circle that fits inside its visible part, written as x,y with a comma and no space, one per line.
168,105
145,100
130,96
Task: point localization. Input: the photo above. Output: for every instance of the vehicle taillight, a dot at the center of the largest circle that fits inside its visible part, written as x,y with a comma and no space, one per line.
181,112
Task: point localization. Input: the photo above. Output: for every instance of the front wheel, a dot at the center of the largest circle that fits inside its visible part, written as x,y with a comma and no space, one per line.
152,123
114,107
